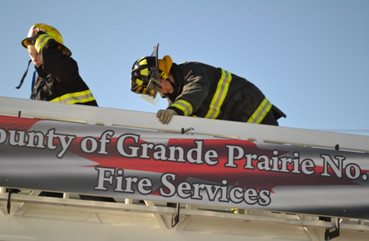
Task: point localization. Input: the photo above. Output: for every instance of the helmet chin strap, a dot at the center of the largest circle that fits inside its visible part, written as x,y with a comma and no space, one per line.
24,76
171,83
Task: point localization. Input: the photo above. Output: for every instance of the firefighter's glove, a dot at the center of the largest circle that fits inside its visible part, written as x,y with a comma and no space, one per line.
166,115
39,40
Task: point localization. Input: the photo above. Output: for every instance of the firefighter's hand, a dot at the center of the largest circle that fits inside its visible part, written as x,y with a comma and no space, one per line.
166,115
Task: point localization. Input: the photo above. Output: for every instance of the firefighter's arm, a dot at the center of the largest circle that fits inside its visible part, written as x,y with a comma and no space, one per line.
54,61
58,64
193,94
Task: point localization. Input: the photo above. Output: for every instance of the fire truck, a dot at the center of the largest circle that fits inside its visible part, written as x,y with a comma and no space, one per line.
73,172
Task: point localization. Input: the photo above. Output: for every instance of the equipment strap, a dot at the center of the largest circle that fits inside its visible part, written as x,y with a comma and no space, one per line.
38,89
24,76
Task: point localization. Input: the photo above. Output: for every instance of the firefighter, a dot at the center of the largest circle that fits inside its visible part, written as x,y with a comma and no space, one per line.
201,90
56,78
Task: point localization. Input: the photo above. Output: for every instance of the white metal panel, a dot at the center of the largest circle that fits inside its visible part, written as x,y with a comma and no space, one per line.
44,218
33,217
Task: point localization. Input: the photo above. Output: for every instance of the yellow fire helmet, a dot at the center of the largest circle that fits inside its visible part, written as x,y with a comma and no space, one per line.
51,31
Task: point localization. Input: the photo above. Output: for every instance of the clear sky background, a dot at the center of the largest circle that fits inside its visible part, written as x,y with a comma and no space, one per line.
309,57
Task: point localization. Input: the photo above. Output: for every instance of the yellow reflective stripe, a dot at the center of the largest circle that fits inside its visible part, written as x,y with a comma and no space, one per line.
41,41
76,97
219,96
260,113
184,106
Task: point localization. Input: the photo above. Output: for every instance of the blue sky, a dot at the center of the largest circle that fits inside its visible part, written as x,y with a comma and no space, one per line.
309,57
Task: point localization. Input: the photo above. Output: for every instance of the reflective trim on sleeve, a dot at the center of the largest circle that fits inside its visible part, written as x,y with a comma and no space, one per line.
184,106
74,98
41,41
260,113
219,96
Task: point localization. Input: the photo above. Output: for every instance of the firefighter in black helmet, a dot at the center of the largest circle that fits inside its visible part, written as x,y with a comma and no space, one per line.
56,78
197,89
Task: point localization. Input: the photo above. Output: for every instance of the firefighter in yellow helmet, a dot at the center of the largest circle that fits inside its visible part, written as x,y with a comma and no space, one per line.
198,89
56,77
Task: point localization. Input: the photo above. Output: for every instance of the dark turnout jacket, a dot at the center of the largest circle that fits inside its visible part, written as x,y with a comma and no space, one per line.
205,91
59,80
